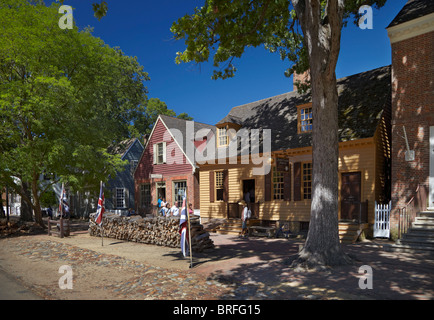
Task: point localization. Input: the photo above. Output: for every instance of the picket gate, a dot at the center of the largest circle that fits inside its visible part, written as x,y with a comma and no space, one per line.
382,220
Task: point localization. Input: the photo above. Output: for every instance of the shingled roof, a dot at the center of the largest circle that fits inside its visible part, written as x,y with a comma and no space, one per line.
122,147
362,98
180,124
413,9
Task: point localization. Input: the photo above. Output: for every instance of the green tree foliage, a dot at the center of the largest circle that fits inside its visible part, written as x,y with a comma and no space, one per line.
145,119
224,29
65,96
99,9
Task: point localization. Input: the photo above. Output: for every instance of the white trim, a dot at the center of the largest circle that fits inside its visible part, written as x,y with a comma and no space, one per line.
156,150
145,146
128,150
431,169
124,192
149,139
411,28
170,132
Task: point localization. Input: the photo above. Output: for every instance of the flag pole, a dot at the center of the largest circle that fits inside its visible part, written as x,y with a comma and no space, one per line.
61,211
189,228
102,229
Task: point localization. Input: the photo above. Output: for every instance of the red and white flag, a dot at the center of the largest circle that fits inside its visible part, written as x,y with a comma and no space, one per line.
183,226
100,209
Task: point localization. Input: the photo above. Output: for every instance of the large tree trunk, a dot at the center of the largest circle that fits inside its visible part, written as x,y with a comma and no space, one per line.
37,205
322,247
322,38
26,208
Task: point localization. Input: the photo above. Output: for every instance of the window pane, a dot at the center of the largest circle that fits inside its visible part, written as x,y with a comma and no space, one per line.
305,119
179,191
307,180
145,195
277,184
120,198
222,136
219,185
219,194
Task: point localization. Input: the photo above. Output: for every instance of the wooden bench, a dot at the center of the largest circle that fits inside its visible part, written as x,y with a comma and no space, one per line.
61,227
262,231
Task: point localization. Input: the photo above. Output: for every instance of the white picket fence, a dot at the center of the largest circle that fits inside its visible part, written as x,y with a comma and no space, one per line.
382,220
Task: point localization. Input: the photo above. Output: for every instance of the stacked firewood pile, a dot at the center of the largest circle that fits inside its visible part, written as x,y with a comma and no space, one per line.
14,228
162,231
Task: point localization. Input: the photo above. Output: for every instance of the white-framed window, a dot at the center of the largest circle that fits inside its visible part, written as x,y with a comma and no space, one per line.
120,198
305,118
179,188
145,195
222,136
307,180
160,153
278,184
219,185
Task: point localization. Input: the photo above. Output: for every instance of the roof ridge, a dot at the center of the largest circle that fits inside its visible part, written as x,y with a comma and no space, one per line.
260,100
186,120
289,92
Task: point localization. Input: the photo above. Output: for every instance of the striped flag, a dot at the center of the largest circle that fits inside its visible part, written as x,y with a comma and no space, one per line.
63,203
183,225
100,209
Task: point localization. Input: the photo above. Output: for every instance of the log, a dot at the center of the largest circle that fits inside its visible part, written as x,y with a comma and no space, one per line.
162,231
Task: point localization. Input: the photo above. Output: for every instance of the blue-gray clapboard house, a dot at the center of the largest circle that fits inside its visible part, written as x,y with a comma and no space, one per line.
119,190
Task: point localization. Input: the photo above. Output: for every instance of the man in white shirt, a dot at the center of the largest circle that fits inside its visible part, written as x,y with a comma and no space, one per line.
174,211
244,218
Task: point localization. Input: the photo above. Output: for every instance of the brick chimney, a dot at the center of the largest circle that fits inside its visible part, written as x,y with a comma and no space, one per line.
145,139
300,78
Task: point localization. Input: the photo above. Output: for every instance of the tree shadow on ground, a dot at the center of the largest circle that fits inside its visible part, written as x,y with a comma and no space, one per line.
258,268
241,248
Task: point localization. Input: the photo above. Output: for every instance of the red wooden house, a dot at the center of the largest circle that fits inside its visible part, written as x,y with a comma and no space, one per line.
167,168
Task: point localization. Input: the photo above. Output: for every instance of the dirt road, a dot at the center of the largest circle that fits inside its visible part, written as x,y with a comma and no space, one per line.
237,269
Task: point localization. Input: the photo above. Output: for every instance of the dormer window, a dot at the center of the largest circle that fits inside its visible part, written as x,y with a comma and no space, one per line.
305,118
226,128
222,136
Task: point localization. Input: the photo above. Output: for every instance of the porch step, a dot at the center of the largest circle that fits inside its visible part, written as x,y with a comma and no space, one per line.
349,232
232,226
427,213
423,222
419,237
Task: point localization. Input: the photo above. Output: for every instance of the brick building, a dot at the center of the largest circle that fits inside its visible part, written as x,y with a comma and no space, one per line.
411,35
167,167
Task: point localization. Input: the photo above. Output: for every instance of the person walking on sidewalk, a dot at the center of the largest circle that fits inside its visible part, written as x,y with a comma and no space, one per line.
244,218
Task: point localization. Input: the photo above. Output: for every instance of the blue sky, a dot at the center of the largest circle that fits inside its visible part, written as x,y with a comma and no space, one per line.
142,29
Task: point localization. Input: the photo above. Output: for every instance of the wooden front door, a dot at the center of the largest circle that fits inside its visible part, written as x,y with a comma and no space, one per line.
350,195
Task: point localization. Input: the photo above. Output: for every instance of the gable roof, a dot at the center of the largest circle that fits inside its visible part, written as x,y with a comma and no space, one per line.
413,9
362,98
172,124
123,147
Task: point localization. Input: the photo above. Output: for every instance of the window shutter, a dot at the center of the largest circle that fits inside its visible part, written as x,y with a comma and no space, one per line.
114,198
267,185
297,181
155,153
164,152
287,185
211,186
225,185
127,198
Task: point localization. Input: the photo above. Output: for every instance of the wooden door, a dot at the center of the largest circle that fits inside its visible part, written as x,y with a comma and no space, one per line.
350,195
